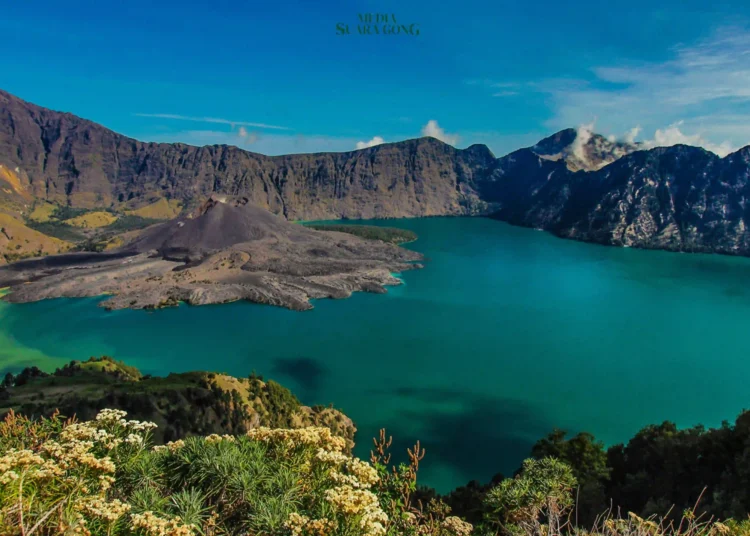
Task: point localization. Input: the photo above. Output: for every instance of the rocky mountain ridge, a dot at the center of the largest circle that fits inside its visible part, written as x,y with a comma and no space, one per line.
574,184
65,159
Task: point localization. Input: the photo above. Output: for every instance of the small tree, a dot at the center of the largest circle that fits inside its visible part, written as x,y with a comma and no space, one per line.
543,491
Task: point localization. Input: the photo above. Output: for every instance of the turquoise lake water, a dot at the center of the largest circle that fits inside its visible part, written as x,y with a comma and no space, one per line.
504,335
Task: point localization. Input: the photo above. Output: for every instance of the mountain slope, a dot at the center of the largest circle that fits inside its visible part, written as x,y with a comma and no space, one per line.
18,241
65,159
678,198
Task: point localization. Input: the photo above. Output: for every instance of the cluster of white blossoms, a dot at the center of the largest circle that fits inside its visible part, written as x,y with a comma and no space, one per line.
334,458
154,525
111,416
359,503
134,439
17,462
312,436
300,525
77,464
73,449
216,438
116,417
171,446
359,474
350,498
76,453
86,431
457,526
109,511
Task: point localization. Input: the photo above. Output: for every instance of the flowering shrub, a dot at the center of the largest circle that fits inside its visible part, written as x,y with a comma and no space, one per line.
57,477
103,477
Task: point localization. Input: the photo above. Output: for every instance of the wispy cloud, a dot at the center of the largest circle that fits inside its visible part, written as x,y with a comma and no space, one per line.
681,100
248,138
699,95
217,120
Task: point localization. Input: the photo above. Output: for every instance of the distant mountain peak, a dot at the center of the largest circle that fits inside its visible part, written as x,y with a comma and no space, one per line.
582,149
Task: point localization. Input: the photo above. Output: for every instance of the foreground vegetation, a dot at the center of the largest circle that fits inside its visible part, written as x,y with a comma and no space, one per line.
105,477
228,455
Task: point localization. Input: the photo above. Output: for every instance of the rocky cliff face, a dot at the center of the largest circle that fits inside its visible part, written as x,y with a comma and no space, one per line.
677,198
575,184
66,159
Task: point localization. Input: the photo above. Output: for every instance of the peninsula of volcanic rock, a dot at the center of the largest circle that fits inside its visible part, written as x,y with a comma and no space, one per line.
226,250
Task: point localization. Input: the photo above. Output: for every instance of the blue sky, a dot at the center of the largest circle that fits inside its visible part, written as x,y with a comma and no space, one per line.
503,73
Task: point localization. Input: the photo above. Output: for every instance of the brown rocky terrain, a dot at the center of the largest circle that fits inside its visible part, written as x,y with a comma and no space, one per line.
225,251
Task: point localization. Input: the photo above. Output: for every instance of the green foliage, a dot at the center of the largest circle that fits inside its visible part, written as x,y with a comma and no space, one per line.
94,240
588,461
542,491
663,466
129,222
190,506
661,472
66,213
100,365
282,404
57,229
369,232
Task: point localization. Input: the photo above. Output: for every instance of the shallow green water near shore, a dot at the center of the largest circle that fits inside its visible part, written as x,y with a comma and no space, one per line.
504,335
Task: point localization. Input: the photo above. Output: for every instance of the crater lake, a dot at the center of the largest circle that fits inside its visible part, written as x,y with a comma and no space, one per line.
505,334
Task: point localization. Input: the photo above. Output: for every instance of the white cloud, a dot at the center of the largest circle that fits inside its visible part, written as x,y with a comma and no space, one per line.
218,120
248,138
706,84
582,137
632,134
433,129
377,140
672,135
